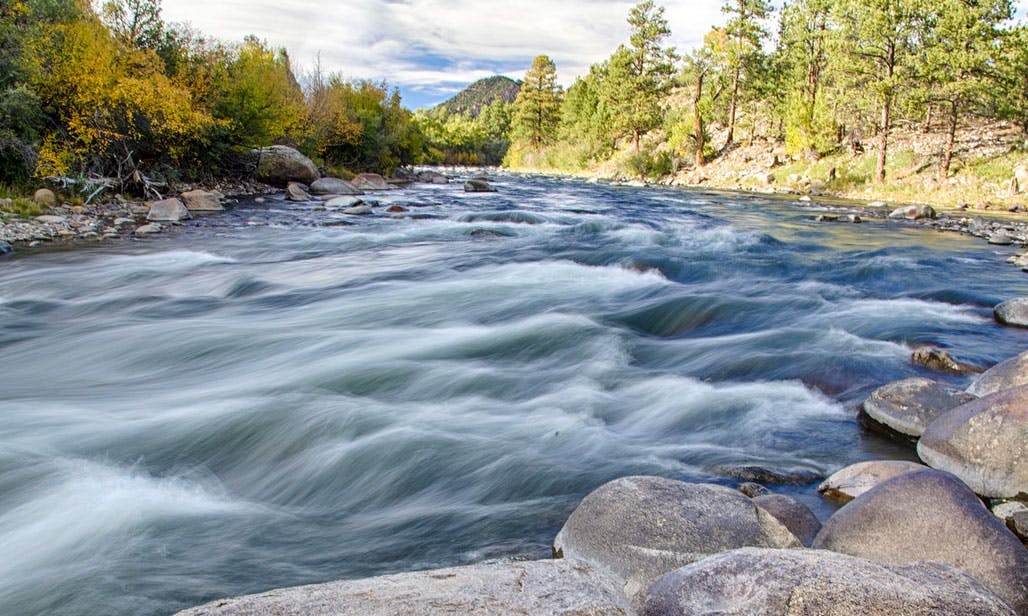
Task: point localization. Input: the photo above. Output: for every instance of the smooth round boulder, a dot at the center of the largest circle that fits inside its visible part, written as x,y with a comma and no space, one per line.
149,229
478,186
167,210
908,406
850,482
371,181
202,201
1006,375
643,527
44,197
913,212
817,582
796,516
1013,312
930,515
297,192
548,587
342,203
334,186
358,210
984,443
278,165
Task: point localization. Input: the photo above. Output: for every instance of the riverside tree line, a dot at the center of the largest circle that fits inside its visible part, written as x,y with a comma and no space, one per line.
819,75
111,90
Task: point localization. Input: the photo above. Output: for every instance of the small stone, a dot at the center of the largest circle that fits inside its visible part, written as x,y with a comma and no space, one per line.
941,361
478,186
359,210
774,476
878,204
396,208
1000,239
52,220
149,229
752,489
337,203
5,248
45,197
1014,514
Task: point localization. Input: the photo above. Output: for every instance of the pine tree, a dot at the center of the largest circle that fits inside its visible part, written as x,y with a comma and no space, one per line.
801,61
746,33
537,106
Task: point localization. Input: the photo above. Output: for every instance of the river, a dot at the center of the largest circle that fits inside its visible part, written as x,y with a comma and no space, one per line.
270,397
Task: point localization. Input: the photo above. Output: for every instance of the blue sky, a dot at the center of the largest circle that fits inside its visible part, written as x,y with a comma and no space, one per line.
431,49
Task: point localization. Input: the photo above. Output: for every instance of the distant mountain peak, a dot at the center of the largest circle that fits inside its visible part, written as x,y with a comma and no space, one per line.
472,99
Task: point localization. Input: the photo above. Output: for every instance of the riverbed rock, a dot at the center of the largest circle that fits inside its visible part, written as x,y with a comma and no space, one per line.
371,181
752,489
334,186
941,361
796,516
1006,375
643,527
1013,312
984,443
297,192
149,229
44,197
763,581
358,210
342,203
51,220
478,186
167,210
548,587
5,248
395,209
908,406
914,212
1014,515
774,476
278,165
930,515
850,482
202,201
1000,239
432,177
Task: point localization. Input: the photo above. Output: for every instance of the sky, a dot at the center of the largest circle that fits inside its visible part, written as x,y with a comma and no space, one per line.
431,49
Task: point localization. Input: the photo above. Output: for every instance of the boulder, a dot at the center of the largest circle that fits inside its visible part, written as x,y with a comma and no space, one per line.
796,516
202,201
371,181
908,406
1014,514
643,527
1000,239
278,165
984,442
913,212
762,581
554,587
393,209
167,210
297,192
358,210
1013,312
334,186
432,177
848,483
149,229
1007,375
941,361
44,197
929,515
478,186
338,203
51,220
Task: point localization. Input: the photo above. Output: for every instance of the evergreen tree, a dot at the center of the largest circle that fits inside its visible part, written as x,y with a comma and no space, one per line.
537,107
801,61
639,75
1012,69
746,34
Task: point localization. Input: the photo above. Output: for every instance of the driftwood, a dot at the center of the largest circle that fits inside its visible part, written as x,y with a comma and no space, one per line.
127,175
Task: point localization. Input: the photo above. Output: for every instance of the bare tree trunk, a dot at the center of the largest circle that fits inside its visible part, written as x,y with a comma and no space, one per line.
951,137
883,139
635,139
928,118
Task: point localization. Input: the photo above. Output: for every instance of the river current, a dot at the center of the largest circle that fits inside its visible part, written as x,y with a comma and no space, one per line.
271,397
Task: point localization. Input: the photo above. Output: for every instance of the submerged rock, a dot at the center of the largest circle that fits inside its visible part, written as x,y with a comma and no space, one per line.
908,406
1007,375
776,476
642,527
342,203
167,210
553,587
850,482
984,443
478,186
334,186
358,210
762,581
278,165
1013,312
929,515
941,361
914,212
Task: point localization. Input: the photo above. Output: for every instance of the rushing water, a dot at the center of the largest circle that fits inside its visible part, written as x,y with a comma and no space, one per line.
266,398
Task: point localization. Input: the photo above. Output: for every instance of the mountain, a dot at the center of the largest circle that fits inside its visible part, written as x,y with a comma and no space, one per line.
483,92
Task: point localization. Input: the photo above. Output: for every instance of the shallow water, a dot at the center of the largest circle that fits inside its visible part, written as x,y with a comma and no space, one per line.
265,398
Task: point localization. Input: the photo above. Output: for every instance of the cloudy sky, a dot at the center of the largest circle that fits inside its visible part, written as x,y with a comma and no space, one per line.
431,49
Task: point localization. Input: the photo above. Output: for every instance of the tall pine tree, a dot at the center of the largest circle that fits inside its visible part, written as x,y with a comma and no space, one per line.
537,107
746,33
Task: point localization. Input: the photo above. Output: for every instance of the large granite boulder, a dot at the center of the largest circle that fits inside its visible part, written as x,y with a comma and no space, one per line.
1013,312
167,210
202,201
553,587
796,516
984,442
371,181
817,582
278,165
334,186
1007,375
848,483
930,515
907,407
643,527
44,197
